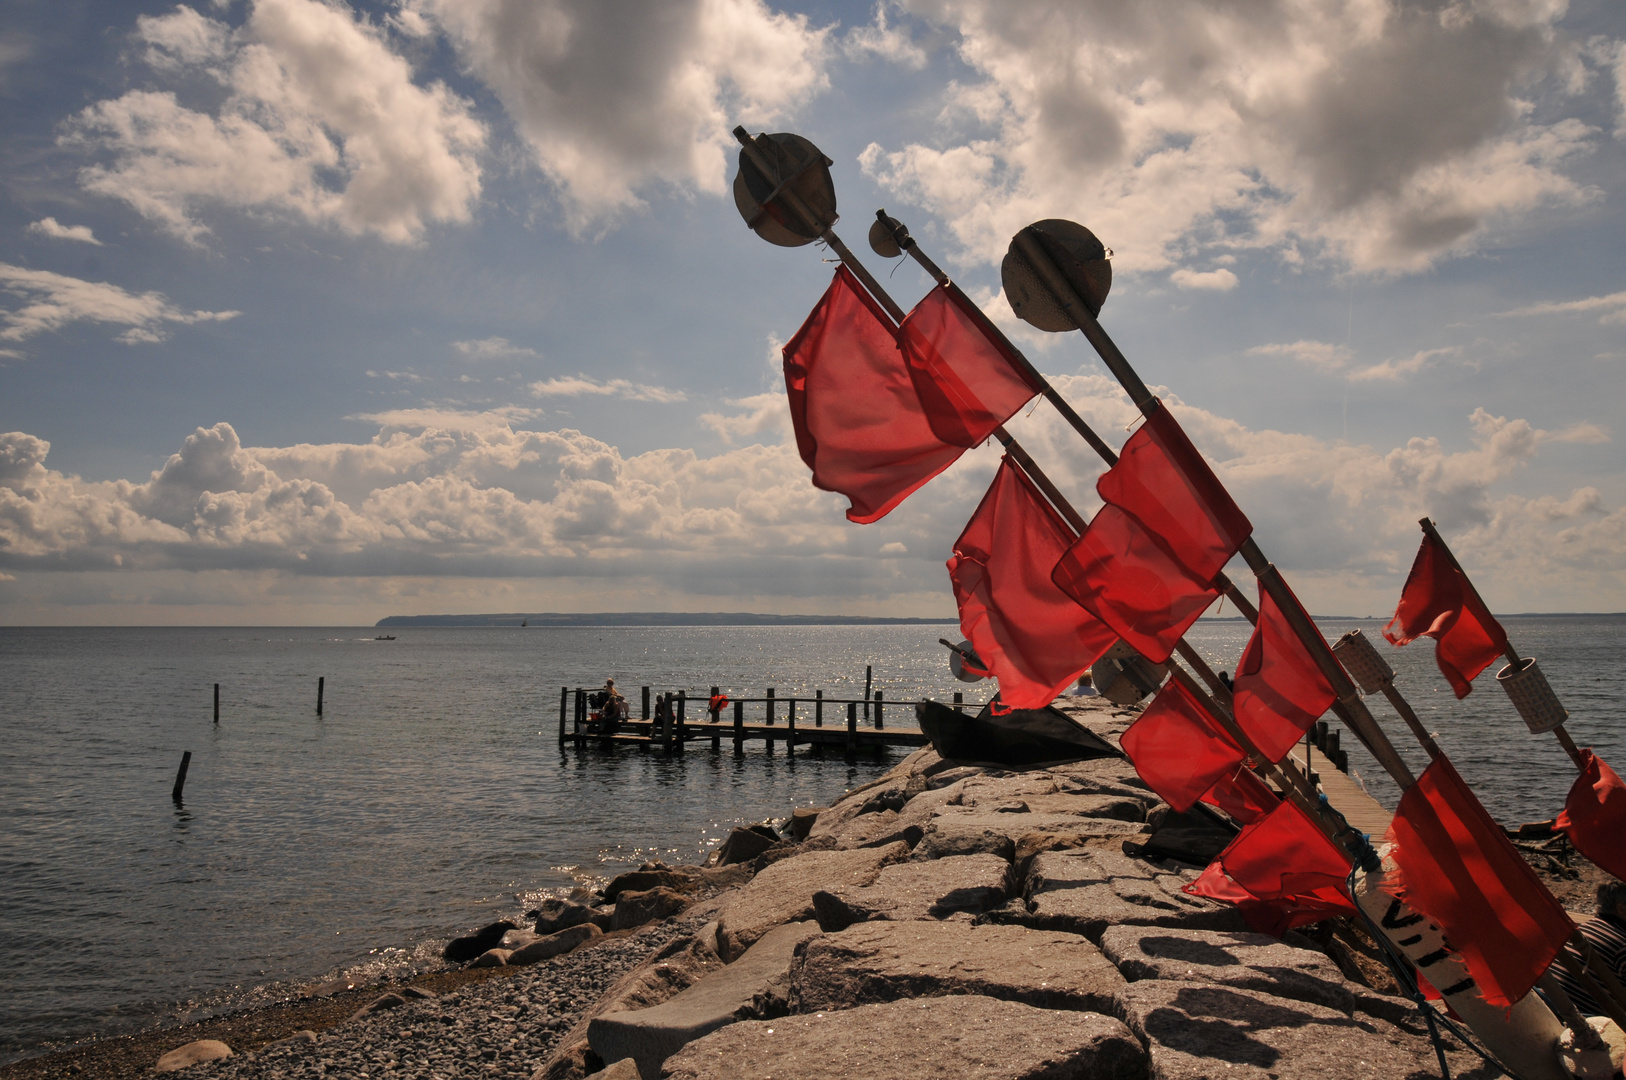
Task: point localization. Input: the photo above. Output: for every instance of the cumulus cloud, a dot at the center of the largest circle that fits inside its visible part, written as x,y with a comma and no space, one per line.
619,98
52,301
494,348
582,386
1382,136
56,231
1340,360
884,40
1613,308
319,119
438,494
1221,280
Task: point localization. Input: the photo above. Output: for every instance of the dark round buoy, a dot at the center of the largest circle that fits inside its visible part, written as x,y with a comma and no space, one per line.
883,236
796,165
1083,261
964,670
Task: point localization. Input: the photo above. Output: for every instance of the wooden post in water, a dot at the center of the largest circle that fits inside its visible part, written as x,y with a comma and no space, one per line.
869,670
581,718
959,701
770,706
321,685
790,728
818,708
739,727
878,723
683,699
564,703
667,729
180,775
716,714
852,728
646,703
217,703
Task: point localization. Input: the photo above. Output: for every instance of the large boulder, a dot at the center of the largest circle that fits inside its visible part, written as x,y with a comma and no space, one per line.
968,1038
557,944
650,1036
644,880
461,950
743,845
1196,1032
978,830
890,961
193,1053
555,914
637,908
876,830
931,890
783,893
1251,961
1085,891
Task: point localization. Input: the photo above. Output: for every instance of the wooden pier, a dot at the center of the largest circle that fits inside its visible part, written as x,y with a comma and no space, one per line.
673,720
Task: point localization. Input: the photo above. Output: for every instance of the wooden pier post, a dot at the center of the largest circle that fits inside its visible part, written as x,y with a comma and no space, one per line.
668,727
770,706
682,735
716,714
180,775
564,703
790,728
321,685
852,728
581,718
739,727
217,703
646,703
878,723
959,701
818,708
869,670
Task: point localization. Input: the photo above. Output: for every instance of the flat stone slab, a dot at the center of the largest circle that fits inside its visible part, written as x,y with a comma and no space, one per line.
876,830
1196,1032
976,831
927,890
1251,961
968,1038
783,892
650,1036
193,1053
891,961
555,944
1116,807
1084,892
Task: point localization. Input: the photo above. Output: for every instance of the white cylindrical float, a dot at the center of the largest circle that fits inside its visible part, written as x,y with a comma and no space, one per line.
1535,700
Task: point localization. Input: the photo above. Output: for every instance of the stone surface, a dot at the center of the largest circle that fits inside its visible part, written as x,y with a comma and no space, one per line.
802,819
1116,807
636,908
1251,961
742,845
490,958
517,939
1194,1031
834,819
929,890
877,830
380,1003
625,1069
644,880
967,1038
783,892
556,944
650,1036
977,830
555,915
889,961
1084,892
193,1053
461,950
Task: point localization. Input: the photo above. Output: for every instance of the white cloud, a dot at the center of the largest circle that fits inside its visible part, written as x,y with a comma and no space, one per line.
51,228
1220,280
1340,360
616,100
1317,354
885,41
582,386
1382,136
494,348
320,120
52,301
1613,307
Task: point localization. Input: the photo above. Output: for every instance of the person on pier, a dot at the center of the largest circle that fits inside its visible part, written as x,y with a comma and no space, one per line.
613,708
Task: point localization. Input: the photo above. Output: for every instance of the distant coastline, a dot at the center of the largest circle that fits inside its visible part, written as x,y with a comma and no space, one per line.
653,618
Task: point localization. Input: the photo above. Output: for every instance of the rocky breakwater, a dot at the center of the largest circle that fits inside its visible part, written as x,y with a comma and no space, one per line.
946,919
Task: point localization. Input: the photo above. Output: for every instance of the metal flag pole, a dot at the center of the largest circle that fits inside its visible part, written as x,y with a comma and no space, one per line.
788,196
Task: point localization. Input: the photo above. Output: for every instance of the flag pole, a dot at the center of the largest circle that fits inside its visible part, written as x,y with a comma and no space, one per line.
1508,650
1348,705
1287,779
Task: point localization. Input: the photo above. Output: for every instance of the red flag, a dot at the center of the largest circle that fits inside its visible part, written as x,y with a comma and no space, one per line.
1594,815
1177,749
1439,602
1279,690
859,423
1146,564
1281,871
1457,867
1242,795
968,381
1025,629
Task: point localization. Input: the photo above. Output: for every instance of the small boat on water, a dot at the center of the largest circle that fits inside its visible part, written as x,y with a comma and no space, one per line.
385,637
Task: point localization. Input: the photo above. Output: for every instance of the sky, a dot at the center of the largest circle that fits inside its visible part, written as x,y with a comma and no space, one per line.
317,312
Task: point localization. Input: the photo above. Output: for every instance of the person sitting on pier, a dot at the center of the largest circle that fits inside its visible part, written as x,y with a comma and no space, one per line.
614,709
1607,935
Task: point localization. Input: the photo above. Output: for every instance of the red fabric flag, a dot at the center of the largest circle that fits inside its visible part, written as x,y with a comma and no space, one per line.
1439,602
1457,867
1242,795
1279,690
1281,871
967,380
1177,749
1033,638
1146,564
859,422
1594,815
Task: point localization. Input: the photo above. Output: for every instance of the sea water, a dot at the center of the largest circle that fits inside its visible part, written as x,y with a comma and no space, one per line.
432,796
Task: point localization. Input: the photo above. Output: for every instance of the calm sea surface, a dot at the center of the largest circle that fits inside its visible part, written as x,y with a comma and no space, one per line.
431,796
